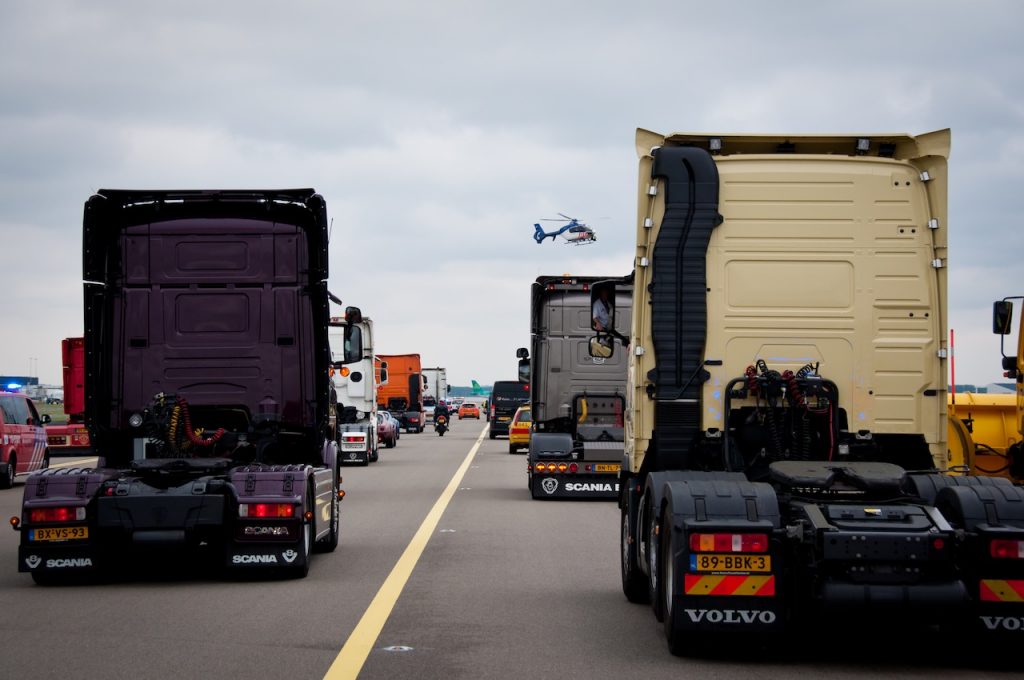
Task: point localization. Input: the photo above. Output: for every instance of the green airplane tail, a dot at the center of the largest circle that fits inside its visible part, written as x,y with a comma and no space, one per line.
476,387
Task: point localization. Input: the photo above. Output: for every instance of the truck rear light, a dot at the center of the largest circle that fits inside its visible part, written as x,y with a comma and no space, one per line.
351,438
266,510
573,467
61,514
562,467
1001,548
756,543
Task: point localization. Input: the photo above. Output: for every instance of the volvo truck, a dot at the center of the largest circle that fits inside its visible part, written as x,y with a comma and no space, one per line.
785,446
352,378
577,400
207,394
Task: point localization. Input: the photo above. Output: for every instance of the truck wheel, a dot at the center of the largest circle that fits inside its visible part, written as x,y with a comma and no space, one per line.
330,542
7,474
634,585
655,584
512,448
680,642
491,434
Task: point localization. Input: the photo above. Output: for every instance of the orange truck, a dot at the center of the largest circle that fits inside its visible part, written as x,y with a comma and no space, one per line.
71,438
402,395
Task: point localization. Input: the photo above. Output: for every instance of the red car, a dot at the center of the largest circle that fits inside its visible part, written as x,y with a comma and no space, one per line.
387,430
22,438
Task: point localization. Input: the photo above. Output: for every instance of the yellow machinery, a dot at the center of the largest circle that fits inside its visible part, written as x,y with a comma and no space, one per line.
985,430
984,435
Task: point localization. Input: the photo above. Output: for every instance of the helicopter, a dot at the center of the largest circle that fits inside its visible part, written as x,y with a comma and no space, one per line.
574,232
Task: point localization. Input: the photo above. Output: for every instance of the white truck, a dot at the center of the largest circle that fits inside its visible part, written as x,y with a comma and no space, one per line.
435,388
351,340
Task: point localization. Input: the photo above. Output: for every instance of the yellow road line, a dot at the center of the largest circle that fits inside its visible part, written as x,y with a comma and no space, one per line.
360,643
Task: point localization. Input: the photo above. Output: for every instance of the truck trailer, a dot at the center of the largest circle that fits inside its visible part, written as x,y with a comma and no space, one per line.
402,395
71,438
786,418
435,388
352,378
207,392
577,401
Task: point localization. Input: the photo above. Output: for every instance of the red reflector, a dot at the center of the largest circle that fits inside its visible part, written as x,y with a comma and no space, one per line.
1006,549
729,543
573,467
56,514
938,544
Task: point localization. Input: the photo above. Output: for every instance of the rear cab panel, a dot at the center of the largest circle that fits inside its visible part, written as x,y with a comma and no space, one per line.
207,386
573,392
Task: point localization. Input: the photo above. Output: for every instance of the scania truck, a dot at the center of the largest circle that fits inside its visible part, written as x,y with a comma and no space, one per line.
577,401
352,377
207,392
786,419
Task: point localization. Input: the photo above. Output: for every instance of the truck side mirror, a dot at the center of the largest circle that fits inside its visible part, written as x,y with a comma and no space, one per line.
524,370
353,315
601,346
522,353
1002,317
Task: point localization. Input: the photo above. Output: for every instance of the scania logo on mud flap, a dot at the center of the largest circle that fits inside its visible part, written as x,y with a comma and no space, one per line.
33,561
549,484
1014,623
289,555
254,559
591,486
731,615
72,562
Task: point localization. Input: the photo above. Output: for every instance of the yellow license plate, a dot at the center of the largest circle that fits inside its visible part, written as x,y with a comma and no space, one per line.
737,563
59,534
606,467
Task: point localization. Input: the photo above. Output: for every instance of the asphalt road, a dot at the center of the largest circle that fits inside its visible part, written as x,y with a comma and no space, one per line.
505,587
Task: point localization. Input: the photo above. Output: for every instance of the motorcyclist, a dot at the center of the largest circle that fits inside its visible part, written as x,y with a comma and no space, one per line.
442,410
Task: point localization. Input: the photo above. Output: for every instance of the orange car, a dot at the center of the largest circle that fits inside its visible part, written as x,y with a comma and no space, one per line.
468,410
519,429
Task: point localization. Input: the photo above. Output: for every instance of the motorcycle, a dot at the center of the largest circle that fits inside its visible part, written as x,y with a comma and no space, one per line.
441,425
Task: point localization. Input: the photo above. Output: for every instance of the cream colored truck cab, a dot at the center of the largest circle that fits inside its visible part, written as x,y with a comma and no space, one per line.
786,398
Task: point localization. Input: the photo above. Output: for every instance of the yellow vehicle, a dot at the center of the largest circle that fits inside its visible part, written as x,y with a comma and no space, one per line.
519,429
985,430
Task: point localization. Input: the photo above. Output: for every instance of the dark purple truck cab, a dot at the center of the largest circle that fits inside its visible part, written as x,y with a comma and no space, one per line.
207,388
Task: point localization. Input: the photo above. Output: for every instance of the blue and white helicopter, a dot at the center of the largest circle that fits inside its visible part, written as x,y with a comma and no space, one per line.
574,232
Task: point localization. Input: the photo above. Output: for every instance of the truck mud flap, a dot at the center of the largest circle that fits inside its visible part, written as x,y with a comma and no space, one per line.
744,597
264,556
354,457
574,486
62,560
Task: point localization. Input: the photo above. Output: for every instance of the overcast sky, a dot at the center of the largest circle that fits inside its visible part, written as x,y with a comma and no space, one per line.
439,132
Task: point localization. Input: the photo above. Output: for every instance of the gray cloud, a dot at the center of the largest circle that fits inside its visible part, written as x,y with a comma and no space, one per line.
439,132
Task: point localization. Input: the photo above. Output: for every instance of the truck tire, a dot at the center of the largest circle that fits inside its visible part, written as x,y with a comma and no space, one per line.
7,472
330,542
680,642
491,434
655,584
634,585
512,448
